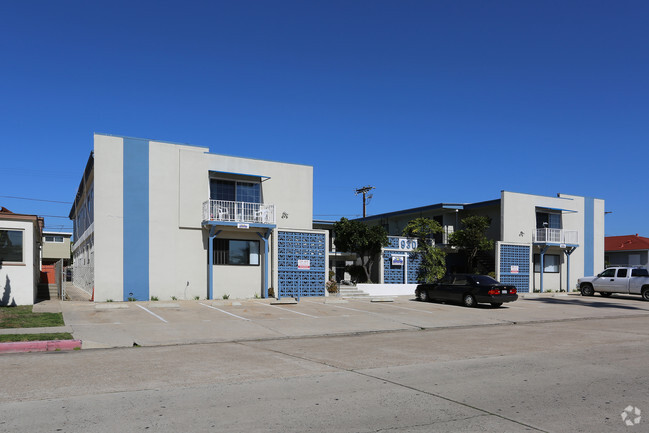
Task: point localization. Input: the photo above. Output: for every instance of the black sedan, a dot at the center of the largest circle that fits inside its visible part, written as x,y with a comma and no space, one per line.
467,289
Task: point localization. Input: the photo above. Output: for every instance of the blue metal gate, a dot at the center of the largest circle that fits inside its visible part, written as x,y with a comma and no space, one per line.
301,264
515,266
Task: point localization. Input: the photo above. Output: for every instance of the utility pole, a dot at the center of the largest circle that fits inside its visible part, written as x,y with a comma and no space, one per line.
364,190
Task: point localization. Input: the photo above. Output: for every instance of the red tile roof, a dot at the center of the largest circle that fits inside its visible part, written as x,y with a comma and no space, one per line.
626,243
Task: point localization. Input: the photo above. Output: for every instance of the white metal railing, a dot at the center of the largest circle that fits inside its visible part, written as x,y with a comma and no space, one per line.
556,236
238,211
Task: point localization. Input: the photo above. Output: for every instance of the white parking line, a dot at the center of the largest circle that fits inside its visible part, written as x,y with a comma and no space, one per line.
222,311
152,313
344,308
286,309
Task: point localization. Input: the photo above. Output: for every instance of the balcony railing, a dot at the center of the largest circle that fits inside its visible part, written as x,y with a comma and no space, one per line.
556,236
239,212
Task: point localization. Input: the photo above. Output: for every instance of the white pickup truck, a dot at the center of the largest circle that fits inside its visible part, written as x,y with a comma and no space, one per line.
634,281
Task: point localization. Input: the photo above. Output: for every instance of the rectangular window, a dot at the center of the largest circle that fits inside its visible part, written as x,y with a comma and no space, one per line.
236,252
230,190
551,263
11,246
548,220
57,239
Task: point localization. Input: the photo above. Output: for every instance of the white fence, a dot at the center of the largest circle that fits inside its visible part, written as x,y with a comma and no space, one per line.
556,236
238,211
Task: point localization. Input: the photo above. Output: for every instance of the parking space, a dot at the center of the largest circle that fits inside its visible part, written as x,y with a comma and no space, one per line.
181,322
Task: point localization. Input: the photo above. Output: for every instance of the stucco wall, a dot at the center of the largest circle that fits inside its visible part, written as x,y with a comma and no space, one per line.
18,281
178,183
109,218
289,187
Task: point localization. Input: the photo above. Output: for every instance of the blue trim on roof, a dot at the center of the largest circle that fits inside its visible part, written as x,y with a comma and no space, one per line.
136,219
240,174
556,208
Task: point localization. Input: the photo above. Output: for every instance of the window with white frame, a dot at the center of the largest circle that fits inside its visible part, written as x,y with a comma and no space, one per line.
55,239
11,246
551,263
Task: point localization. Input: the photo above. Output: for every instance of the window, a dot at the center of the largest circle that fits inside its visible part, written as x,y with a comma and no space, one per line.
551,263
639,272
548,220
230,190
57,239
621,273
11,246
236,252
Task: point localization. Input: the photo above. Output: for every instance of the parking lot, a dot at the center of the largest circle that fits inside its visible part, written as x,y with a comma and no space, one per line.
126,324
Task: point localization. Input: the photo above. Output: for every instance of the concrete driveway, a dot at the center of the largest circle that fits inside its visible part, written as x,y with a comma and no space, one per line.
124,324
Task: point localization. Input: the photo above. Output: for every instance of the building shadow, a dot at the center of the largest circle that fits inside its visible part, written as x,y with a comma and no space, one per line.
594,302
6,300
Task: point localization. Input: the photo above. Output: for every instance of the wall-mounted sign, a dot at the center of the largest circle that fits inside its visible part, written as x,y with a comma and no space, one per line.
514,269
243,226
407,244
397,261
304,264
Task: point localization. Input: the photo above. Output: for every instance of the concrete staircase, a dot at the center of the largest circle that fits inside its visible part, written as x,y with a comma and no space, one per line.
351,292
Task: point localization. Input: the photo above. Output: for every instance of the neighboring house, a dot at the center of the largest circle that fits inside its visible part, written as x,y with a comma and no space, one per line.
630,250
541,243
56,248
161,219
20,249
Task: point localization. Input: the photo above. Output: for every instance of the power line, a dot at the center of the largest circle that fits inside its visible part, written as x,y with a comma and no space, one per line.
35,199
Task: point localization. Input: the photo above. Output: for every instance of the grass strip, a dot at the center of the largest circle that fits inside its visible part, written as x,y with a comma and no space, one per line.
11,338
23,317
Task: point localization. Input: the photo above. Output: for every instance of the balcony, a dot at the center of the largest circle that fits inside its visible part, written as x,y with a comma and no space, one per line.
556,236
238,212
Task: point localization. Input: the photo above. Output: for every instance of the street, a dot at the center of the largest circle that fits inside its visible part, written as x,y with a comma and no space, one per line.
556,375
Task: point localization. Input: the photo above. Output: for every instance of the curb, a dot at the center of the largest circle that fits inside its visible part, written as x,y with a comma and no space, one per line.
39,346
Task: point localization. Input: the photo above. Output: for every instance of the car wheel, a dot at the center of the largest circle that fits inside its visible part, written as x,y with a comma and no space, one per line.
496,304
605,294
423,296
645,293
469,300
587,290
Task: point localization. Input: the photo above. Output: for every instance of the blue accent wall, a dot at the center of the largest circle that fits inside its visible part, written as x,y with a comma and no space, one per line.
136,219
589,236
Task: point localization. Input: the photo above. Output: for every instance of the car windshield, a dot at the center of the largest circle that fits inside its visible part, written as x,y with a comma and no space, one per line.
484,280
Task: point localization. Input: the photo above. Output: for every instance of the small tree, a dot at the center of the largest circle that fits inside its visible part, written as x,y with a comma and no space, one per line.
472,238
357,237
433,260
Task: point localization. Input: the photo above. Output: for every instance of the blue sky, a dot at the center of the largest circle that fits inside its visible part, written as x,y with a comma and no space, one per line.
428,101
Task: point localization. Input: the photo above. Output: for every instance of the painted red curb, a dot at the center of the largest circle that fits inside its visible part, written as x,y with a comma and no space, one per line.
39,346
